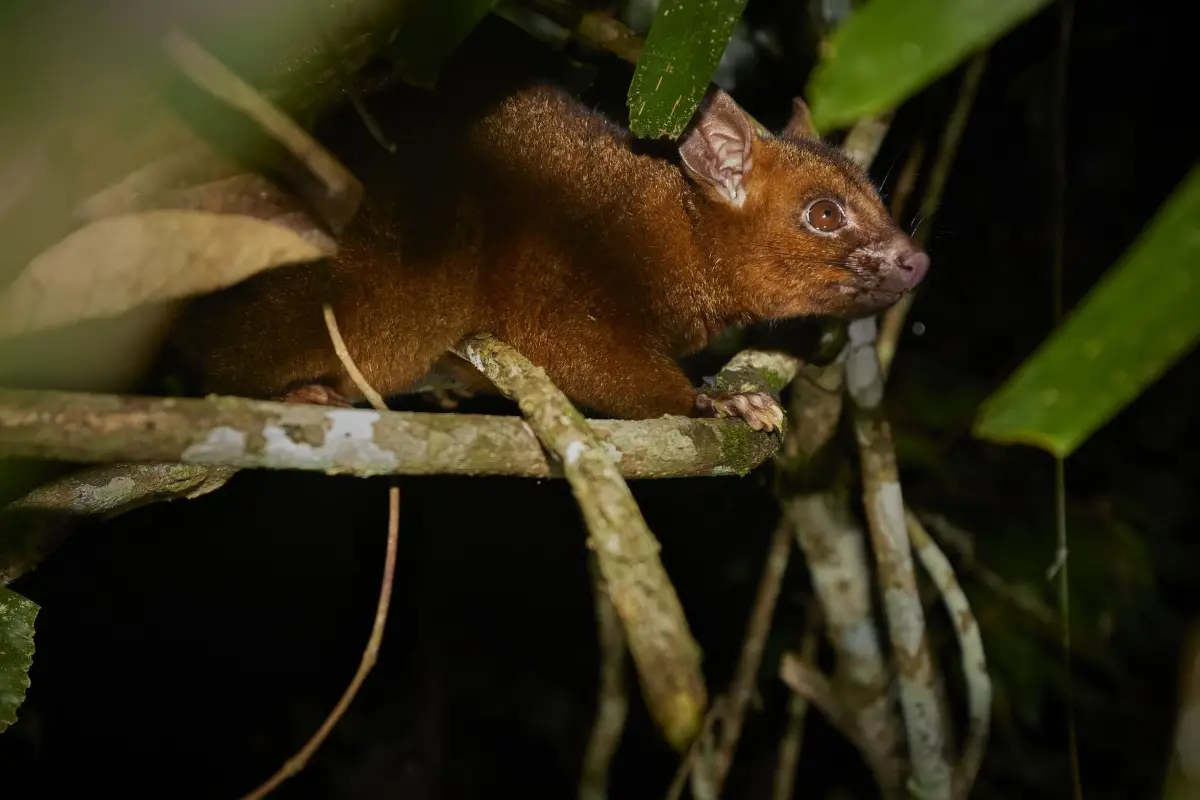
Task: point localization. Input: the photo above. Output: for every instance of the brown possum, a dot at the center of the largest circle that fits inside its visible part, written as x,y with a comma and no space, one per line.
537,220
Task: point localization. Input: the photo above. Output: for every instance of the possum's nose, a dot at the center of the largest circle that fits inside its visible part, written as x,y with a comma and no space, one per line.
905,269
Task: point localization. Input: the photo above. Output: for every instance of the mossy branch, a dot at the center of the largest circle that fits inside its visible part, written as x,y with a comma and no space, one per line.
666,655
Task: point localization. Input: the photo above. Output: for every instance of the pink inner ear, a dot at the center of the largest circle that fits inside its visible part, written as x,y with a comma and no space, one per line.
717,149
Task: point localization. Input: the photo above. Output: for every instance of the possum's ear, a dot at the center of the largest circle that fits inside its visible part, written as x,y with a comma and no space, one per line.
800,126
717,148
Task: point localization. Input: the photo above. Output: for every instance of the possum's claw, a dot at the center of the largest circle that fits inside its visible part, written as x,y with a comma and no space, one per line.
759,409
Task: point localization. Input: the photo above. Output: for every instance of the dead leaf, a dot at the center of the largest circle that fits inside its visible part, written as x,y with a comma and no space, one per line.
119,263
167,185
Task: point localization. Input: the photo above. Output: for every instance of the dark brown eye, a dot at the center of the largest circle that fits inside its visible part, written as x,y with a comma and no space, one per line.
826,216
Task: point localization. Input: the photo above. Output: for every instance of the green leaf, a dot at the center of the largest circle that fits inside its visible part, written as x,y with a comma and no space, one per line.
429,33
1130,328
889,50
16,652
681,53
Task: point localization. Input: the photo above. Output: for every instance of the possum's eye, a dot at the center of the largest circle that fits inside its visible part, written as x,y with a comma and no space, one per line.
825,216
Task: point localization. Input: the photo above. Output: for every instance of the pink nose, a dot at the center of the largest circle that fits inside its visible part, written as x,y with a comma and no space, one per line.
916,264
905,272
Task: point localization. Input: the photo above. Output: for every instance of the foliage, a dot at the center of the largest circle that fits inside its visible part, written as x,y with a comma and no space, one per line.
889,50
17,615
124,262
1131,327
429,33
681,54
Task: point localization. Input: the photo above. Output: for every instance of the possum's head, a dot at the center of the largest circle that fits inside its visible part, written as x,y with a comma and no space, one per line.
797,226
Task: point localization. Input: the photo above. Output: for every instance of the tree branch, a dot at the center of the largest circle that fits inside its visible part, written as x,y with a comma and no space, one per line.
814,687
249,434
202,442
974,663
905,614
661,643
836,552
30,528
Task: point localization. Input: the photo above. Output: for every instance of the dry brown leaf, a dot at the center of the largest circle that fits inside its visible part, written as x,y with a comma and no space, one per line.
119,263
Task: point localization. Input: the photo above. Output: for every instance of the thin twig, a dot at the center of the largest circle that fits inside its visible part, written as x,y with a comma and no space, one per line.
370,654
974,662
688,762
958,541
371,651
809,683
612,699
1066,16
742,687
793,736
339,346
893,319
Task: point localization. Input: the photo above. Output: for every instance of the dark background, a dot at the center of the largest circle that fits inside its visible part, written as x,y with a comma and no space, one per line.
187,649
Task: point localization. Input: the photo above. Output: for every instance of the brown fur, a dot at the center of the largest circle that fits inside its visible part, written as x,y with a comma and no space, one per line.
532,218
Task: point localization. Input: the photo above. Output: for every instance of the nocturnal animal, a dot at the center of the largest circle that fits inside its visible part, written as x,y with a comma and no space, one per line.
529,216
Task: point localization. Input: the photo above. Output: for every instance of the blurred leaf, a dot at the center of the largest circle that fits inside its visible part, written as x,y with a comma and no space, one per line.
430,32
16,652
119,263
1130,328
888,50
684,46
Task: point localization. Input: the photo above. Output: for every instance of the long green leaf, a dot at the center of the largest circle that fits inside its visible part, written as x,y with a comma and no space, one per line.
890,49
429,33
16,652
681,53
1140,317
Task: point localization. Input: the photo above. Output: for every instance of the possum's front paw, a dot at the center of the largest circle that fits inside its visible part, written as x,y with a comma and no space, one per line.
316,394
759,409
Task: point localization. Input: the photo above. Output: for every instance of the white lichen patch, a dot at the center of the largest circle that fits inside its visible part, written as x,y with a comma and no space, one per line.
474,356
612,451
889,506
349,445
573,451
906,619
860,638
222,445
110,495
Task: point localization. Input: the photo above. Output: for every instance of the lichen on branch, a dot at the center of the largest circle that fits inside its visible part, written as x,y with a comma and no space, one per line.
666,655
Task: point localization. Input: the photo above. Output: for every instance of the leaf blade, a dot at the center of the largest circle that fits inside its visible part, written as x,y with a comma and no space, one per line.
680,56
17,616
116,264
1137,321
889,50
